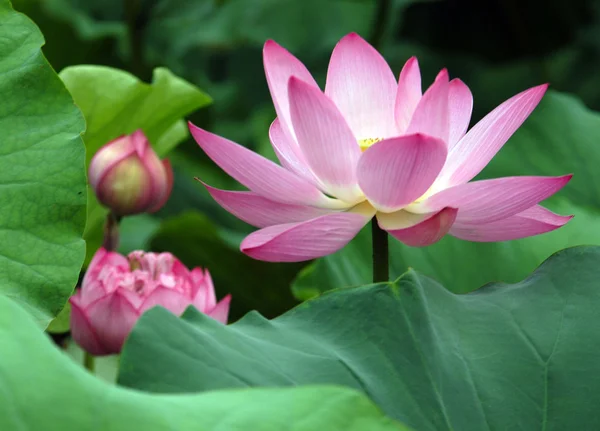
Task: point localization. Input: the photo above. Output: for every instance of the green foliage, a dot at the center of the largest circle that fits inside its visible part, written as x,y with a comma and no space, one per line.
561,137
504,357
42,177
45,390
115,103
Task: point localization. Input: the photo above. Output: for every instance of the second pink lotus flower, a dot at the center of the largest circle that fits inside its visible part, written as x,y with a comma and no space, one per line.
373,146
117,290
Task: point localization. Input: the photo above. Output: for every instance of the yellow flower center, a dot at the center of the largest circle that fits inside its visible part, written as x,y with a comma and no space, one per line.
366,143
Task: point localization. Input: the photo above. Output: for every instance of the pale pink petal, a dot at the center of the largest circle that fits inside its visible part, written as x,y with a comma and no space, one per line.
164,188
296,242
431,114
363,87
474,151
429,231
168,298
91,291
327,142
82,331
262,212
533,221
408,95
204,297
211,298
490,200
260,175
288,152
280,66
134,298
460,107
395,172
112,317
108,156
221,311
542,214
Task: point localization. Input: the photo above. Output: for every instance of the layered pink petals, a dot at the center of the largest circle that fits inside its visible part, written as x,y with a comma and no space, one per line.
260,175
326,141
460,108
395,172
474,151
113,296
296,242
413,174
280,66
429,231
431,114
491,200
363,87
84,334
533,221
262,212
408,94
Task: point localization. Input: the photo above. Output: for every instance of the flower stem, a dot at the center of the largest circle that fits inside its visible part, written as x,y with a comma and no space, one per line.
111,232
89,362
381,270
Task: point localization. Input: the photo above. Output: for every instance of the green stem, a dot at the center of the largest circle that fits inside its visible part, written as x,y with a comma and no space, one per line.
384,10
89,362
381,270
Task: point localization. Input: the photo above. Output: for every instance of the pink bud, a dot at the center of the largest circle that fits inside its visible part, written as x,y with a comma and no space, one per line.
128,177
117,290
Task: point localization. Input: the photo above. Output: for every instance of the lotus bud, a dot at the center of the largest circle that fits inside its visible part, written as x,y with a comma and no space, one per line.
128,177
117,290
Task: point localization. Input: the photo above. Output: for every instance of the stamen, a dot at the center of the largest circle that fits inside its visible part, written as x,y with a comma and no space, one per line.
366,143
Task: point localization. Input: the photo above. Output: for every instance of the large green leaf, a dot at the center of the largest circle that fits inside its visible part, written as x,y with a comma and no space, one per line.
560,137
42,176
254,285
521,356
43,389
114,103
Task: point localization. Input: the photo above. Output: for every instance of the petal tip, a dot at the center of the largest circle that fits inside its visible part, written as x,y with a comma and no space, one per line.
564,180
296,84
272,47
443,75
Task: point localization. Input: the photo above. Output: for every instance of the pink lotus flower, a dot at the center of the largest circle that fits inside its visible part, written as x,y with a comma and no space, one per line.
116,291
128,177
373,146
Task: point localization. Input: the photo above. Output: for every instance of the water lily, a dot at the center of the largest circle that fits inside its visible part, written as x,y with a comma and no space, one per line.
373,146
